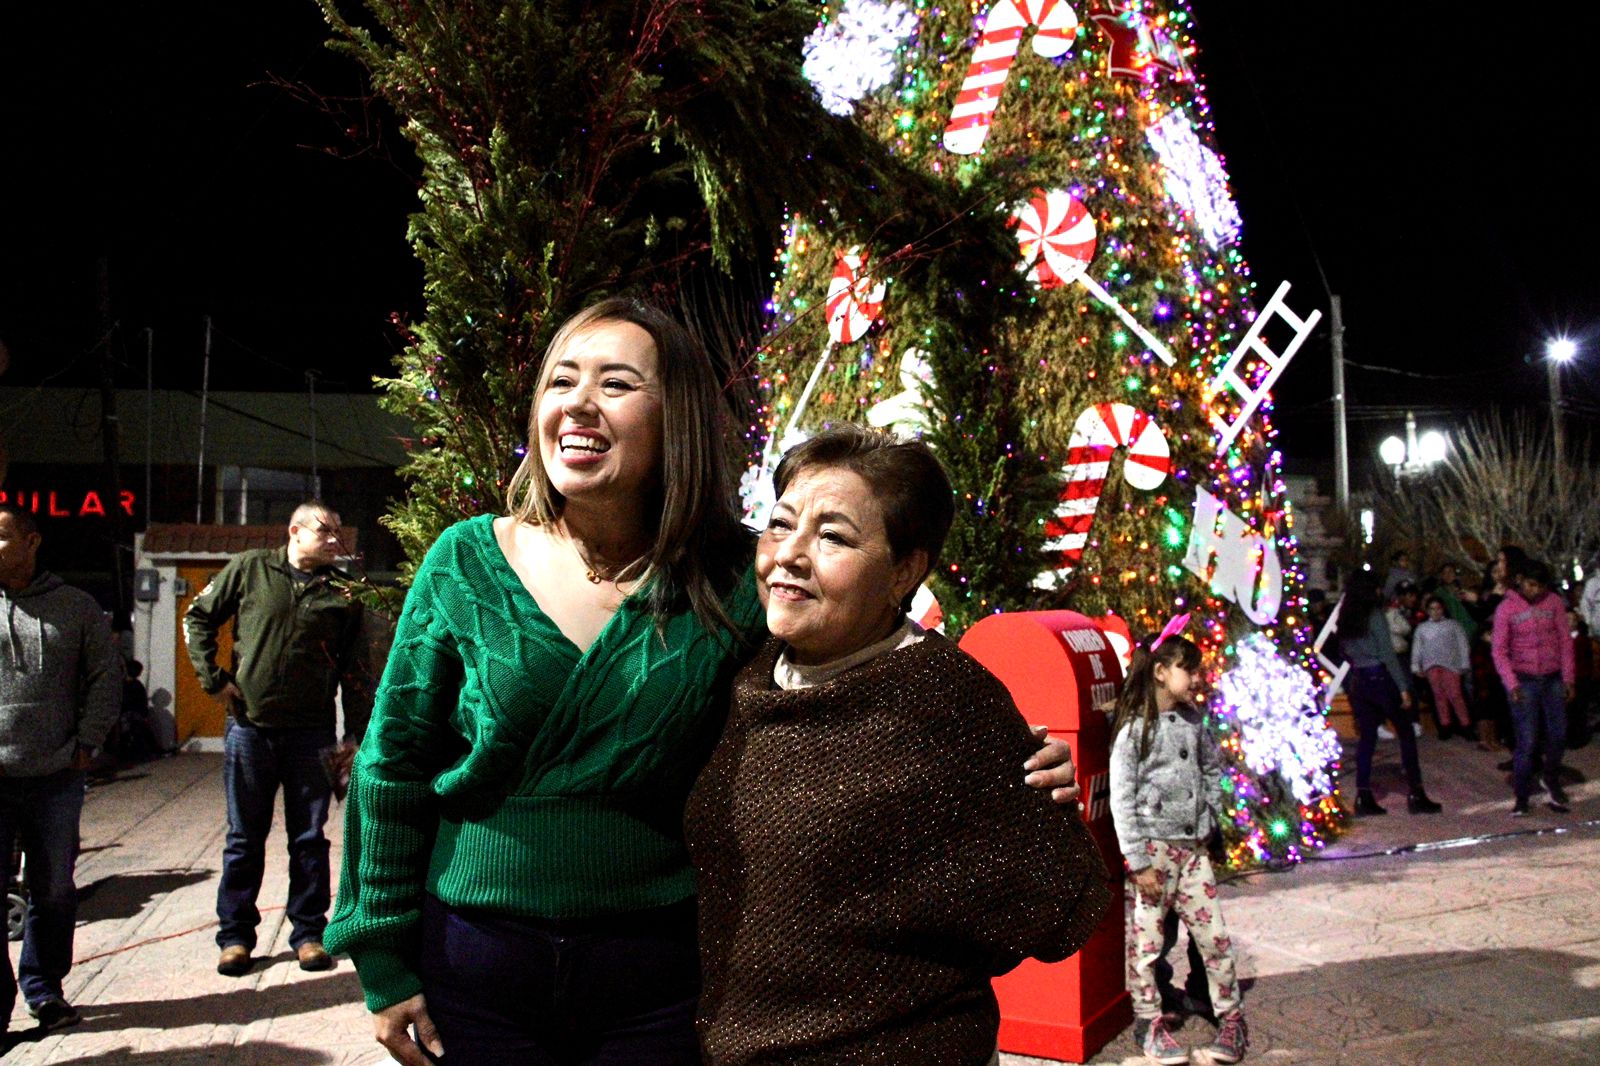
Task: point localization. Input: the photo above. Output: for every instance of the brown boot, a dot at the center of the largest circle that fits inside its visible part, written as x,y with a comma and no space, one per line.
313,956
235,961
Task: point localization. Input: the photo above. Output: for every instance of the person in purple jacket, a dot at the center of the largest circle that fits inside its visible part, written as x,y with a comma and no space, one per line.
1533,655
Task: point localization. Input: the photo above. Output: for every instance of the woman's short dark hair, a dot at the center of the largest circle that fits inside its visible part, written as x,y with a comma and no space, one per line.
698,538
905,477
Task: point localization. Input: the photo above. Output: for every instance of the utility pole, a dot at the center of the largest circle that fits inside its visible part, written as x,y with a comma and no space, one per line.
1558,430
205,390
316,481
1341,431
110,432
149,416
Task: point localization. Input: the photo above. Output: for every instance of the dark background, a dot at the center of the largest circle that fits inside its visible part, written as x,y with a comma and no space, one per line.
1429,167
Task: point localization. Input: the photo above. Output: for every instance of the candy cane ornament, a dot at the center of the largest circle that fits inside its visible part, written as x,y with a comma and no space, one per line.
854,302
1099,431
1057,236
1003,27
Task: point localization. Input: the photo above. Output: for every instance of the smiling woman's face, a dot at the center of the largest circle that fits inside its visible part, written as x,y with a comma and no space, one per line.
599,413
824,568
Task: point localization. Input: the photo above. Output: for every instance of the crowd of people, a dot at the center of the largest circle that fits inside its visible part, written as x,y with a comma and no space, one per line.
1506,663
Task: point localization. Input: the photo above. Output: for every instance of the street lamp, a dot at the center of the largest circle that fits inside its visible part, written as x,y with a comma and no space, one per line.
1413,454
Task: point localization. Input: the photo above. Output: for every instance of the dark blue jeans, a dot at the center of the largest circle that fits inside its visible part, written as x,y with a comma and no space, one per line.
44,811
1374,697
614,991
256,763
1541,702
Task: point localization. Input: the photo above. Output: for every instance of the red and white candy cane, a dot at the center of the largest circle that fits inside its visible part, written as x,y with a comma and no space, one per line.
855,300
1100,431
997,49
1057,236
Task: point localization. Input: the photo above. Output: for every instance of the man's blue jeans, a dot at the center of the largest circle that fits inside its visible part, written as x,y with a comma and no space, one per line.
256,762
44,812
1541,701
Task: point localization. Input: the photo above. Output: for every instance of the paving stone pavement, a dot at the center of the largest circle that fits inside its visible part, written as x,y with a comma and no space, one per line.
1488,951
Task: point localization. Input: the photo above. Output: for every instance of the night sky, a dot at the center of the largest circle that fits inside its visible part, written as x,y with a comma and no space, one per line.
1431,165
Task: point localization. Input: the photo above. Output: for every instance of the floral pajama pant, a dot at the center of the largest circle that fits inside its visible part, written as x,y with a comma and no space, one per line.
1188,886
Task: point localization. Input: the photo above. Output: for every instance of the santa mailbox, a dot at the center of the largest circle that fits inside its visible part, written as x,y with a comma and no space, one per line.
1061,669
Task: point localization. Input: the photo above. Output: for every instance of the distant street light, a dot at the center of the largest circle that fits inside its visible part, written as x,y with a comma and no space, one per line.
1432,447
1412,454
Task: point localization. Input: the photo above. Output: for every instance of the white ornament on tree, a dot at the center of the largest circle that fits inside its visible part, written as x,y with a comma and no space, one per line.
1251,393
907,411
854,54
1195,179
1282,728
1239,564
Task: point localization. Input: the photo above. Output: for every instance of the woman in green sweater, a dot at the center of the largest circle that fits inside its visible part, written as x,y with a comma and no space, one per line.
516,887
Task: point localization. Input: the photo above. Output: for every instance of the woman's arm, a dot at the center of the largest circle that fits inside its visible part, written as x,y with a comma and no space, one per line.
391,813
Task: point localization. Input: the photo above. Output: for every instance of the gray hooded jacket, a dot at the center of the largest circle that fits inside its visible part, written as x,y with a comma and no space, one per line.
60,676
1174,792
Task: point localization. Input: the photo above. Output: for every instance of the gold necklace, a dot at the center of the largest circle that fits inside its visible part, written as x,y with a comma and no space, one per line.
598,573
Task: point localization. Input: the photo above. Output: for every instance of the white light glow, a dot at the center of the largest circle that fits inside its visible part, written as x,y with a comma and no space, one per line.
1561,349
1432,446
1392,451
1281,726
1369,526
854,54
1195,179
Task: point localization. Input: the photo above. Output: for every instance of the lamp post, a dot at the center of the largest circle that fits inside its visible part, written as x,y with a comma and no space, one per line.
1557,351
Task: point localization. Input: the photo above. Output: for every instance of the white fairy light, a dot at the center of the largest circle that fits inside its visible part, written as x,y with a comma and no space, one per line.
854,54
1281,725
1195,179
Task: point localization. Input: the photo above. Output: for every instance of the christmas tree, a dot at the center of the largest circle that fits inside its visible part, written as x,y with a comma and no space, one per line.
1004,227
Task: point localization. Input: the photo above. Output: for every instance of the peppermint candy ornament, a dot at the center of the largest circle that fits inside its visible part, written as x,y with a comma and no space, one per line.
854,299
1057,236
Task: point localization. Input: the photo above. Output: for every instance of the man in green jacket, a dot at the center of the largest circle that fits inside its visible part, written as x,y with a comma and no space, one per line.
295,644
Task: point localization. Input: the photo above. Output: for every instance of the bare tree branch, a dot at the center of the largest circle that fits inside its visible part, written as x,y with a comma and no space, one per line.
1501,483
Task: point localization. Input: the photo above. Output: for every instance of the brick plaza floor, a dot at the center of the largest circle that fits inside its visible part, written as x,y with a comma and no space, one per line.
1485,952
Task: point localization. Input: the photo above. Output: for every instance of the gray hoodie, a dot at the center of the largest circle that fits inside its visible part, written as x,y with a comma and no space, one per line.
60,676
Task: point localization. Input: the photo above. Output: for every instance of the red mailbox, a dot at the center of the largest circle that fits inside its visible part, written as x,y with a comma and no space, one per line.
1059,667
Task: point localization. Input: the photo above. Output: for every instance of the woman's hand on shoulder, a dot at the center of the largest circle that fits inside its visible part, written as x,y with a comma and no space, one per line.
392,1026
1051,767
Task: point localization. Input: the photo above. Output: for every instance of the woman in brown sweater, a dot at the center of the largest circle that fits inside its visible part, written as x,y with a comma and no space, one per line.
853,907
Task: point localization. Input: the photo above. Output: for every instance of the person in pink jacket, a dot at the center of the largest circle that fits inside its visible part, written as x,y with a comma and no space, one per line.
1533,655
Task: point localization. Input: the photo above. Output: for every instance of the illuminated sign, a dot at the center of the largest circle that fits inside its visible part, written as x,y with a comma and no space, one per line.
50,503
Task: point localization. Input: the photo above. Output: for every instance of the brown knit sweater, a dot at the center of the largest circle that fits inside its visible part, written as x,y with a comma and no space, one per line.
868,857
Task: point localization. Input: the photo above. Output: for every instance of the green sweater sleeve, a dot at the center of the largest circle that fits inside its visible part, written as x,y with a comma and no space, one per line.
391,813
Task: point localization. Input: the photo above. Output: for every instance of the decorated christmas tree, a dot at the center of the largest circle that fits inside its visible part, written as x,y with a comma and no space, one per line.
1004,227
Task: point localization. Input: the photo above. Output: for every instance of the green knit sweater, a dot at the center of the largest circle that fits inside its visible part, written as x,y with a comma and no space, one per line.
504,769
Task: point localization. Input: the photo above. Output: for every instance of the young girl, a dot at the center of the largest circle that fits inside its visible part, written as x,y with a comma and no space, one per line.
1166,795
1440,653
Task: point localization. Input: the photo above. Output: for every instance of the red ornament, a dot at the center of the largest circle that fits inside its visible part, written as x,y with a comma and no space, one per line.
1139,48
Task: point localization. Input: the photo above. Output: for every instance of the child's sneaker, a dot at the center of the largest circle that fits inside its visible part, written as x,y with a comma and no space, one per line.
1160,1046
1232,1039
